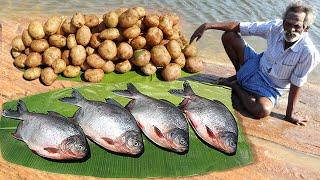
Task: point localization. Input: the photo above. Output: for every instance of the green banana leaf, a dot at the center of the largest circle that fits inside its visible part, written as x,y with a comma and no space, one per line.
153,162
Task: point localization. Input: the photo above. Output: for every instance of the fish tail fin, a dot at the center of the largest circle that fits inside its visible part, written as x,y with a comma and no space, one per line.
76,98
21,109
131,91
185,92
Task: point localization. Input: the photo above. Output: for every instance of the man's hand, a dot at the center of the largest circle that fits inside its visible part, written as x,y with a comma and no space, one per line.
298,118
199,32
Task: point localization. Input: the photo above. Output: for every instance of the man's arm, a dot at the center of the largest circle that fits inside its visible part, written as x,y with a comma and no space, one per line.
292,99
223,26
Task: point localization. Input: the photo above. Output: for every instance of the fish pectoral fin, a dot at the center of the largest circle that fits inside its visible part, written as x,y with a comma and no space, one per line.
17,136
158,132
51,150
210,133
108,140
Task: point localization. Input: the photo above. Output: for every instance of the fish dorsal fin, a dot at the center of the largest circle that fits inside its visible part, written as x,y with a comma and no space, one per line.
55,114
158,132
108,140
185,92
51,150
164,100
210,133
219,102
113,102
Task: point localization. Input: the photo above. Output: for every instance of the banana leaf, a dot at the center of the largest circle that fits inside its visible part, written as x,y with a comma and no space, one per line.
153,162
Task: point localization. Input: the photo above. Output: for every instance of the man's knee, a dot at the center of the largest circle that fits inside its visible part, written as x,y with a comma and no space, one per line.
229,37
263,111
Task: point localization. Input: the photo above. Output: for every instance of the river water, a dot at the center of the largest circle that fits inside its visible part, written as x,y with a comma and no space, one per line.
192,14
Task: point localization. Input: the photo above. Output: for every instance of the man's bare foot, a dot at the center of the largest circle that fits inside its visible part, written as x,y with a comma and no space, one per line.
227,81
298,119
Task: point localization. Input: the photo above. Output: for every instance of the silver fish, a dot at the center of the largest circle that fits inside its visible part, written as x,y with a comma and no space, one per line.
107,123
49,135
160,120
211,119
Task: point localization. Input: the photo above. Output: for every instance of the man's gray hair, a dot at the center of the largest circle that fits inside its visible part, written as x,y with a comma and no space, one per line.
299,6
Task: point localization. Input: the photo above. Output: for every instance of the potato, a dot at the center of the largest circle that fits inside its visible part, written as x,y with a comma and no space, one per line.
154,36
194,65
71,41
78,20
17,44
164,42
58,40
181,60
109,34
131,32
138,42
39,45
108,67
52,25
91,20
94,75
141,11
66,57
60,29
124,51
32,73
15,53
166,25
111,19
89,50
128,18
95,61
121,38
48,76
26,38
50,55
84,66
59,65
173,17
121,10
35,30
71,71
149,69
151,20
174,49
95,40
141,57
107,50
99,28
27,51
34,59
123,67
190,50
78,55
184,40
83,35
69,28
175,35
171,72
160,56
20,61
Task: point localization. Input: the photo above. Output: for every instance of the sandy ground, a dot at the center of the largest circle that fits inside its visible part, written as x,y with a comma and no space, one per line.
281,150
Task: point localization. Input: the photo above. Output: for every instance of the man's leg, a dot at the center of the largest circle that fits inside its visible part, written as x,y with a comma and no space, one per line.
259,107
234,46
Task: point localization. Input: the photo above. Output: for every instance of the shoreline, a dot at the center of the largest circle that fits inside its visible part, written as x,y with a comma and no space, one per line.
281,149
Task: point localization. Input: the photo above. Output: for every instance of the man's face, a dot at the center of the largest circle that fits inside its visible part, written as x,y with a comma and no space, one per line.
293,26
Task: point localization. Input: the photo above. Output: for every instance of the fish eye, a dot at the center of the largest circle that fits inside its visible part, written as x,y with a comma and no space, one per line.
136,144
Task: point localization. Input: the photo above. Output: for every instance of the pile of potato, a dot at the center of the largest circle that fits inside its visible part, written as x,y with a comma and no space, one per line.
121,40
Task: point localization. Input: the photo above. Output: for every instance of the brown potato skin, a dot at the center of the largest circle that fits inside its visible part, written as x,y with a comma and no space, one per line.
107,50
151,20
50,55
141,57
108,67
174,49
190,50
171,72
95,61
66,57
123,67
111,19
95,40
69,28
35,30
17,44
194,65
78,55
78,20
26,38
39,45
52,25
94,75
154,36
109,34
48,76
83,35
58,66
34,59
124,51
149,69
181,60
71,41
160,56
71,71
138,42
20,61
91,20
131,32
90,50
58,40
141,11
32,73
128,18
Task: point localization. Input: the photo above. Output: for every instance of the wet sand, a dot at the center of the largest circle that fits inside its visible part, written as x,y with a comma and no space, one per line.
281,149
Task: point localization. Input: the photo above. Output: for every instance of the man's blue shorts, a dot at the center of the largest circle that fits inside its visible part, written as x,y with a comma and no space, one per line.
250,78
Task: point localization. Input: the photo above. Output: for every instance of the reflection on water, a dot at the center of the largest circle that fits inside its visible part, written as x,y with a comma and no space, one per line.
193,13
